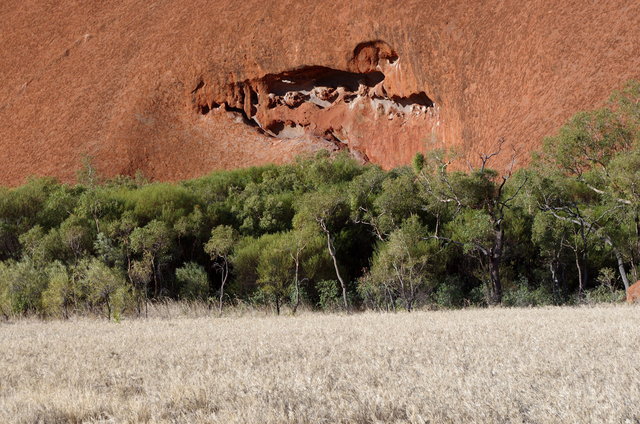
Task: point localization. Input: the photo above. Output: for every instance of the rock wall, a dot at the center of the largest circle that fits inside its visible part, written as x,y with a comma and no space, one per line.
177,89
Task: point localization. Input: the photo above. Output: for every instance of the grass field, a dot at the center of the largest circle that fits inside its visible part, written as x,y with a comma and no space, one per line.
572,365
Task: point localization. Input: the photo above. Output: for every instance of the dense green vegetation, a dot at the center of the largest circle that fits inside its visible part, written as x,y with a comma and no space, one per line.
329,233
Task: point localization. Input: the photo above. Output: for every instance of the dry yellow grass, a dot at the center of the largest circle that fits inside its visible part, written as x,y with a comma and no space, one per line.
501,365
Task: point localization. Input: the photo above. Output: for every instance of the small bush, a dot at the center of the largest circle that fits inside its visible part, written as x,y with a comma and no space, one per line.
604,294
523,295
329,294
193,281
478,296
106,288
61,292
449,294
21,286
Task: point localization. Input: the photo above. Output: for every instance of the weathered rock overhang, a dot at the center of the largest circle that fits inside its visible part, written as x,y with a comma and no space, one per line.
354,108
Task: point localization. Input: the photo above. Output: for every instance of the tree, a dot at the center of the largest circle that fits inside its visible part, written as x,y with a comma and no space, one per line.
153,242
479,201
624,189
192,226
408,263
579,226
160,202
23,284
284,261
274,270
220,248
105,286
328,210
266,206
114,248
42,247
383,200
304,249
140,273
592,160
62,293
6,306
550,236
323,171
77,236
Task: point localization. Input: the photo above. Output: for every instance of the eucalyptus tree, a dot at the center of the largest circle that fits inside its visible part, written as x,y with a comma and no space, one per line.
591,172
477,203
105,287
274,270
327,211
383,200
220,248
153,243
62,292
409,263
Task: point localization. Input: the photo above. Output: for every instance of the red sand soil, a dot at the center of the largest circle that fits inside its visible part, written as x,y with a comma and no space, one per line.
177,89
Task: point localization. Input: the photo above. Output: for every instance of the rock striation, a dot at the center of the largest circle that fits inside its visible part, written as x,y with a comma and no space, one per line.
177,89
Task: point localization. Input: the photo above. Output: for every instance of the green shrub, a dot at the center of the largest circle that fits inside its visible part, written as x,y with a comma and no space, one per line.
106,287
373,295
61,294
523,295
193,281
603,294
478,296
23,284
329,294
449,293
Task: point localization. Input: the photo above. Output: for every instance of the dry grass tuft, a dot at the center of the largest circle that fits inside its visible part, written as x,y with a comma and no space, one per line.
498,365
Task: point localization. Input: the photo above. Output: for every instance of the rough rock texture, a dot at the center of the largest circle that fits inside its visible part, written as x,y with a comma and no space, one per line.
633,294
177,89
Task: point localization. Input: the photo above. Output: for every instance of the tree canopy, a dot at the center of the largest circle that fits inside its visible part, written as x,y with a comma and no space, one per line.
326,230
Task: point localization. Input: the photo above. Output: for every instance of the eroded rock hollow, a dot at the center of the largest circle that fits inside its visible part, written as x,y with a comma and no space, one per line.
353,109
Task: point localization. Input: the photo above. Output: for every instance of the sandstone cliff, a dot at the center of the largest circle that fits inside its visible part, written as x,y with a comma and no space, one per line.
178,89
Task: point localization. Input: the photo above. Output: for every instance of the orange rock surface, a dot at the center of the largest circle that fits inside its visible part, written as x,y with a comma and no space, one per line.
633,294
177,89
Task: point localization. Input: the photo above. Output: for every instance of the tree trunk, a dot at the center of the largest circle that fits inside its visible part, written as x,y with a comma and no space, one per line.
155,278
585,269
277,305
580,276
495,257
387,299
108,309
623,273
554,266
496,284
95,218
332,252
403,291
297,285
146,300
225,274
393,301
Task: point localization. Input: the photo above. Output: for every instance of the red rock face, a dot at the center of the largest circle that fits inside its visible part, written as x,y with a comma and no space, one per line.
633,294
358,110
177,89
